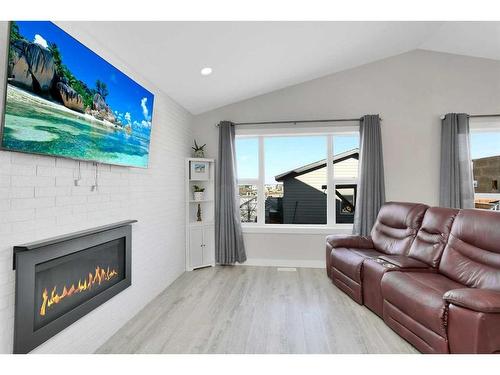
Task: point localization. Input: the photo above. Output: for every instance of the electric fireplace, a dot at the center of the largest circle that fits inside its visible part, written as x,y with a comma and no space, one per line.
61,279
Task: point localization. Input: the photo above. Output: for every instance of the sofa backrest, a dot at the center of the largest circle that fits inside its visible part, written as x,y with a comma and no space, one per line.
433,235
472,254
396,226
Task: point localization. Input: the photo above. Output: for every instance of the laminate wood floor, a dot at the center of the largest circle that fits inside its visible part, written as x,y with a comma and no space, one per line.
254,310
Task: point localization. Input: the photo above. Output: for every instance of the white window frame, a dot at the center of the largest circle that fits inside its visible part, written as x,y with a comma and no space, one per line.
279,131
484,125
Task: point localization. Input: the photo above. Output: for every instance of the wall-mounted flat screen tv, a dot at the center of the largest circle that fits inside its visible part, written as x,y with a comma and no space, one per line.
64,100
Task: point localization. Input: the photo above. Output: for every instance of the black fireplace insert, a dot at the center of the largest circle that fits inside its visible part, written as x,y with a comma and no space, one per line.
61,279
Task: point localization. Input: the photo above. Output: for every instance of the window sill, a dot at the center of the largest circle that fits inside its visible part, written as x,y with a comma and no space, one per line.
297,229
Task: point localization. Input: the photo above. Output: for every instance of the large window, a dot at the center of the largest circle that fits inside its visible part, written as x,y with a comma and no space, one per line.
485,154
295,179
286,179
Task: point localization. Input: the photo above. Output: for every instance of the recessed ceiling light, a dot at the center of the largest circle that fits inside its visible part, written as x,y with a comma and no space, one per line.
206,71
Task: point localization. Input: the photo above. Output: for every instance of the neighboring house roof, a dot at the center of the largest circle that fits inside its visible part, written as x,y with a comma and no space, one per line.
494,157
354,153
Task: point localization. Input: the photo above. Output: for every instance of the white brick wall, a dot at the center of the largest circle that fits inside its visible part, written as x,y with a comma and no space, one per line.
38,199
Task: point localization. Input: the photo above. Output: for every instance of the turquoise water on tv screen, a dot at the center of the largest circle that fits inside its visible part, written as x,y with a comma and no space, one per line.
36,125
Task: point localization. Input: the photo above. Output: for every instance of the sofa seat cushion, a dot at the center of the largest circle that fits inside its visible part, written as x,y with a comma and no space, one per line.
350,261
420,296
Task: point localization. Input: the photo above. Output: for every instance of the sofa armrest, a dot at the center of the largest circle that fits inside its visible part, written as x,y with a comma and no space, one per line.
351,241
403,261
482,300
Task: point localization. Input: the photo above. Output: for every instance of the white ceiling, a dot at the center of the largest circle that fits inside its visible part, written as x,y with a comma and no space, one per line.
479,39
252,58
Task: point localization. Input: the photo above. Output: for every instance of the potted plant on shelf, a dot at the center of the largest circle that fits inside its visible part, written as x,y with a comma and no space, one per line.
198,193
199,151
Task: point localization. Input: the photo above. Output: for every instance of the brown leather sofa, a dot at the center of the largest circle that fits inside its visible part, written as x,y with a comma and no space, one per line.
432,274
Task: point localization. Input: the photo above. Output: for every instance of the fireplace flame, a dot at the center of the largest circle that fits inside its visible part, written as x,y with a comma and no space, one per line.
93,279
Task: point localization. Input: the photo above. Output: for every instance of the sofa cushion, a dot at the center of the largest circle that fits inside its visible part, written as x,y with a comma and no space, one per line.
420,296
396,226
432,236
472,255
350,261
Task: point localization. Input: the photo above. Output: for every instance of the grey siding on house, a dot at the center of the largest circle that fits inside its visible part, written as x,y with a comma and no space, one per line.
303,203
304,200
304,189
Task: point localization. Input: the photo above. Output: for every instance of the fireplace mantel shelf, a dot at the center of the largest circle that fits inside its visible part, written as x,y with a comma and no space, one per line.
70,236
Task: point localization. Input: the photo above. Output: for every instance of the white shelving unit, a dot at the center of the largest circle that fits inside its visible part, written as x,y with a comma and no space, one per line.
200,235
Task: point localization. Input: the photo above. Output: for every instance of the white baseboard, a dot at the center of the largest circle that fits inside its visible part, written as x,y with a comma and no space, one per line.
301,263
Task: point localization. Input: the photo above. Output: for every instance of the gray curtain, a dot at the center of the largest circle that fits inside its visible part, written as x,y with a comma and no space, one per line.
371,187
229,246
456,185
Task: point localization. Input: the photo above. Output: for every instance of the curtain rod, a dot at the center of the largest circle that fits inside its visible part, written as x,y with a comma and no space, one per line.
477,116
298,121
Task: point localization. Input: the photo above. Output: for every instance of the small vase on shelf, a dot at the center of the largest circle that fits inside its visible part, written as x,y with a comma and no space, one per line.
198,213
199,151
198,193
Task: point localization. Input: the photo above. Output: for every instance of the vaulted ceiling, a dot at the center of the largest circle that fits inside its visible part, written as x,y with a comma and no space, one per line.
253,58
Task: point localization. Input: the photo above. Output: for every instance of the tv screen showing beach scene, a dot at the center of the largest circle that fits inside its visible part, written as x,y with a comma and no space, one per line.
64,100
